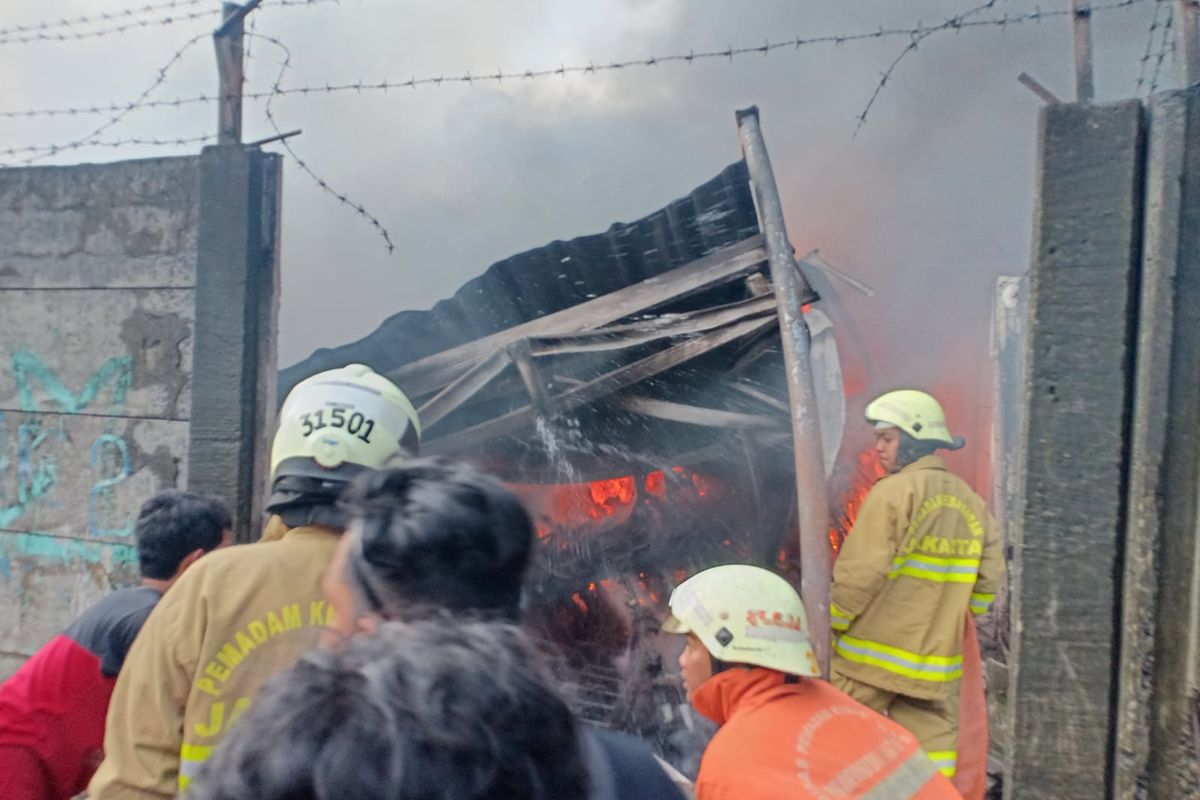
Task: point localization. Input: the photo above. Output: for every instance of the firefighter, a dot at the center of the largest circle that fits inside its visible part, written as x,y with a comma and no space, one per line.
923,551
242,615
748,666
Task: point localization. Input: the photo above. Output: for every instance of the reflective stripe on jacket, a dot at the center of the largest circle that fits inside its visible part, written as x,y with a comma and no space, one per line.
805,741
924,550
234,619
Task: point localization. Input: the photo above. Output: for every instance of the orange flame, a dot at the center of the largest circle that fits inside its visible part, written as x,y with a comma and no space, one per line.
867,470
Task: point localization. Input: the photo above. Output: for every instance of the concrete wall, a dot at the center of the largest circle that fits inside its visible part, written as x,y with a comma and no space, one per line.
103,269
1070,527
97,309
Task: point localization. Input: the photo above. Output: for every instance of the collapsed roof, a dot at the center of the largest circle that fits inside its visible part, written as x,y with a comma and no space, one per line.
659,337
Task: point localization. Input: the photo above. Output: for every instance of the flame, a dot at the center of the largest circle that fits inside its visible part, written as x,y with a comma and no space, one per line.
602,505
867,470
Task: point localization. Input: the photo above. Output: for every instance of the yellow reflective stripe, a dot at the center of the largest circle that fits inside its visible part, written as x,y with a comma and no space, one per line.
981,602
945,760
935,568
936,561
839,619
930,575
191,757
900,662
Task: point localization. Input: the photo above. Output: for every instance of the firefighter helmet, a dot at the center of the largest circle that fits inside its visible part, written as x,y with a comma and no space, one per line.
745,615
916,413
340,422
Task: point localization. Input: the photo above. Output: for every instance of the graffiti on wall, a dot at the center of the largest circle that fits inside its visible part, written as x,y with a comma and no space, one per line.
31,441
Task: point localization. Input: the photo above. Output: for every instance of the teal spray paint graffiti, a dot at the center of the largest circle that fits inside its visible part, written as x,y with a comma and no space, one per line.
37,471
101,500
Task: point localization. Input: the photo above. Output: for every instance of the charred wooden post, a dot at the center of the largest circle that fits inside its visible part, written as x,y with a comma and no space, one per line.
791,292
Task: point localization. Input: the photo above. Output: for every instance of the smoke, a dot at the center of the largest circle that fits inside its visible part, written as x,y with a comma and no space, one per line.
928,204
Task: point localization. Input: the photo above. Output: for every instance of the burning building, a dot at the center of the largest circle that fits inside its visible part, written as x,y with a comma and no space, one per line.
630,387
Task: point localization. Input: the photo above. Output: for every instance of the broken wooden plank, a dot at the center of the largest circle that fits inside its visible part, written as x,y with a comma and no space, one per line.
431,373
598,387
619,337
463,389
521,355
762,397
697,415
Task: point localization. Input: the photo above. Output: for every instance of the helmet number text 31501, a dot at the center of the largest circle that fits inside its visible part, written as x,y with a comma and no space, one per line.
338,416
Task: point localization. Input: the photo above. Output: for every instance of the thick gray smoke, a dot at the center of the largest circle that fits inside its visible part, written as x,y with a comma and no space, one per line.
929,203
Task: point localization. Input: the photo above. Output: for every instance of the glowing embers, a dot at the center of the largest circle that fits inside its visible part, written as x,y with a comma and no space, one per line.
605,504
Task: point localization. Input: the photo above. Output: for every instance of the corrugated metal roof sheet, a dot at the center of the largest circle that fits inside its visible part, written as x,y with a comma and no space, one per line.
554,277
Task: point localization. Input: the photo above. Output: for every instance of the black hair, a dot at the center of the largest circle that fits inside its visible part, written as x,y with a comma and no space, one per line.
911,449
172,524
438,533
438,709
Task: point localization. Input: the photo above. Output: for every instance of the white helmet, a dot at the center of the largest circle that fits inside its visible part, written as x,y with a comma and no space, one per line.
916,413
340,422
745,615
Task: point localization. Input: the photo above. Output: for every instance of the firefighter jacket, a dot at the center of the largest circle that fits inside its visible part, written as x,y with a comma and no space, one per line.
805,740
923,550
234,619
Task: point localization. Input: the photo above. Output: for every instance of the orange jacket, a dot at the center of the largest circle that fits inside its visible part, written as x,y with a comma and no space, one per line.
805,741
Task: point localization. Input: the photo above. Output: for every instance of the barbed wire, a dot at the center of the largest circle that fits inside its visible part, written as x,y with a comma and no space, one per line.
500,75
123,112
102,17
1144,64
954,23
117,22
52,149
122,27
1166,45
324,185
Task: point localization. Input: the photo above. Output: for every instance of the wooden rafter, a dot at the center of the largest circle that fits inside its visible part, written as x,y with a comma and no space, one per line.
432,373
602,386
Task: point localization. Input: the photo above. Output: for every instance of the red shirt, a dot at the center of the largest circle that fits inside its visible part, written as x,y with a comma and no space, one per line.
805,741
52,710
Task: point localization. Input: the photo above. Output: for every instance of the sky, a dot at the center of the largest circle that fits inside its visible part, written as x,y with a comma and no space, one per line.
928,203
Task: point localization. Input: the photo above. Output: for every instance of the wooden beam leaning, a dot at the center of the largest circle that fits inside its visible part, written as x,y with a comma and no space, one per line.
463,389
521,355
433,372
598,387
791,292
619,337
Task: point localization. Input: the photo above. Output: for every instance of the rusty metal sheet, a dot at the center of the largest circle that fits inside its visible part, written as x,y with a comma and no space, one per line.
97,352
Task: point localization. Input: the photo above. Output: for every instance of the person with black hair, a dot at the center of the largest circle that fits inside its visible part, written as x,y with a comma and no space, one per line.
442,707
246,614
435,536
52,710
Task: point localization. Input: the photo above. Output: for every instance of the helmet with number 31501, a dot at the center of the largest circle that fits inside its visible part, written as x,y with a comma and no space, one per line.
340,422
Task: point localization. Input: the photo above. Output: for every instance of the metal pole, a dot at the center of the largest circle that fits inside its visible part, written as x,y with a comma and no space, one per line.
228,40
1187,42
816,557
1085,89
